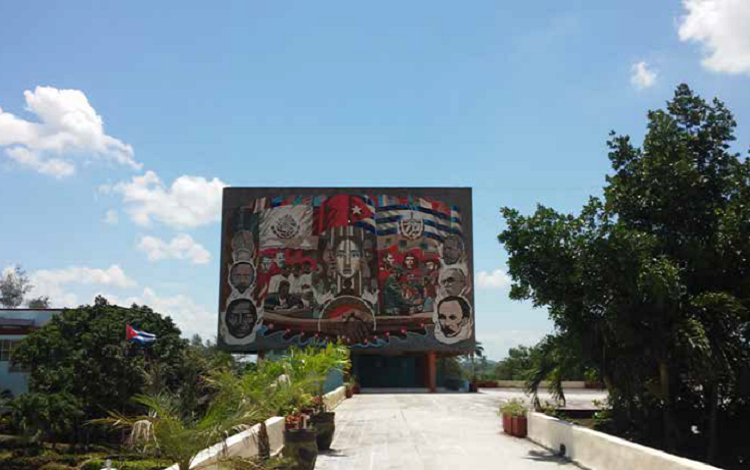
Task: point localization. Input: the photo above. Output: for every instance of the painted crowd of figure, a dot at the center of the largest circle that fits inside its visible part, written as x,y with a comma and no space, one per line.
351,266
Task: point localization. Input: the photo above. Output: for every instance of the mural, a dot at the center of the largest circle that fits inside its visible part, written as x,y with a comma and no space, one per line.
375,268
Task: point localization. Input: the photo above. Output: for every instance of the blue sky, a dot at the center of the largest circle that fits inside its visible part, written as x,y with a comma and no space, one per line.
112,188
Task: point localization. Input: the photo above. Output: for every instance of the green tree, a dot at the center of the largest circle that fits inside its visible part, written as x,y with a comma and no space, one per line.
13,287
650,285
83,353
38,302
516,365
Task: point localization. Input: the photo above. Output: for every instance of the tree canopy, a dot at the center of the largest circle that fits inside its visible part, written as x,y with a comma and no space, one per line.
13,287
82,353
650,284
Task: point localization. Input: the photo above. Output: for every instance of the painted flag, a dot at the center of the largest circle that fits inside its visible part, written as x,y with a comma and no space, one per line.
416,217
286,226
138,336
345,210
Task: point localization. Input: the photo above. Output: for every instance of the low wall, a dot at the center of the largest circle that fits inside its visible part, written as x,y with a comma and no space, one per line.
244,444
568,384
599,451
334,398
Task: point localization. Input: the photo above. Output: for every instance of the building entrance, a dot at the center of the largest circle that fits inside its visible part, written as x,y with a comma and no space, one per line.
388,371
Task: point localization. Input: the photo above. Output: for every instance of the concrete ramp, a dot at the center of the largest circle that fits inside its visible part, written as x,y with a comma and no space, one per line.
428,432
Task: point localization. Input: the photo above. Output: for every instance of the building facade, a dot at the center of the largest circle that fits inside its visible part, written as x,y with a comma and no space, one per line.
16,324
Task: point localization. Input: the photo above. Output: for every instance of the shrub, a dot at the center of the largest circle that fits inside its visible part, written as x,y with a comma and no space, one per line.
145,464
514,407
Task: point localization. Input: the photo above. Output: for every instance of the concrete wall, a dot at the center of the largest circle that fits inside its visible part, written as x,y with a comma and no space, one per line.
334,398
334,380
600,451
544,385
245,444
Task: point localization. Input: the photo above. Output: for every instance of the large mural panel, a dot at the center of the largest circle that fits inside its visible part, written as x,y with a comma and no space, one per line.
382,268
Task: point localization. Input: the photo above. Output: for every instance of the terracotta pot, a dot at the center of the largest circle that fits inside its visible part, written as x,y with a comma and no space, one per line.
507,426
356,389
301,448
519,426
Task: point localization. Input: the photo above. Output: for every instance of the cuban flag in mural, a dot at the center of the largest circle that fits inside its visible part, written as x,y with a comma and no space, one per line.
346,210
138,336
417,217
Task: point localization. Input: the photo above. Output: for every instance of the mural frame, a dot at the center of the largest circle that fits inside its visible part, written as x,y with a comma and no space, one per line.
375,278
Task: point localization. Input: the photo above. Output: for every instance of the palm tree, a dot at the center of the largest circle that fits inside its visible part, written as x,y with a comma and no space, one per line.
179,436
555,360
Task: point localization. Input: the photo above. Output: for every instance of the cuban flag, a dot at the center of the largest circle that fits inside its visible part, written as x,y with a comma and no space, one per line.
346,210
437,220
138,336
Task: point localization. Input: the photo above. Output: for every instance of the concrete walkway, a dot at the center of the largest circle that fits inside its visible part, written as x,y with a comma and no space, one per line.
429,432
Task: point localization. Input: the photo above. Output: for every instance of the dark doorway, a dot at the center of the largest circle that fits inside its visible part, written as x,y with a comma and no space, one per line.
387,371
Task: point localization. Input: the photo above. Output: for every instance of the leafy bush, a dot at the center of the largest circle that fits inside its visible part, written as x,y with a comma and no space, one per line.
513,407
46,416
145,464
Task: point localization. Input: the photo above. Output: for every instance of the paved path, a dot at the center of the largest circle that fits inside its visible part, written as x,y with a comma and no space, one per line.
429,432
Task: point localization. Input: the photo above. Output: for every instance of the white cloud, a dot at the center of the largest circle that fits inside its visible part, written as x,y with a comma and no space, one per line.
189,316
68,128
642,77
497,344
112,276
723,27
190,201
494,279
111,217
51,166
53,282
180,247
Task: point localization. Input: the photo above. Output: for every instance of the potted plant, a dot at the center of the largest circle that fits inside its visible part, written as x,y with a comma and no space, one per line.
324,423
311,367
300,442
356,389
300,438
335,357
514,417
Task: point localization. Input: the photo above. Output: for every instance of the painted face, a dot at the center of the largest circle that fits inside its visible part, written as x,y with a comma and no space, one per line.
240,318
431,266
242,276
280,259
369,249
307,293
410,261
450,317
453,282
348,258
453,249
266,263
308,268
389,259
